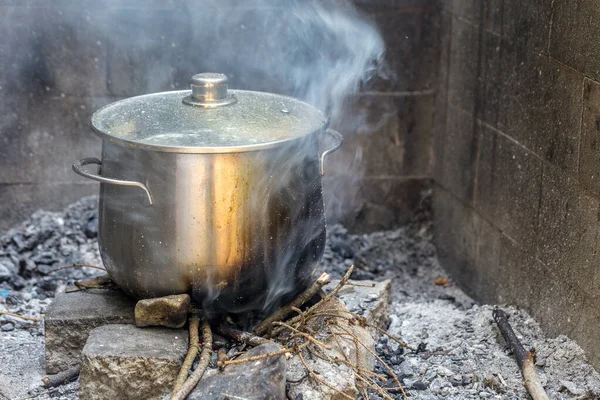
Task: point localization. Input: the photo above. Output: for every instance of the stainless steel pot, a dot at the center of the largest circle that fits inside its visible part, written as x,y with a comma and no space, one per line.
215,192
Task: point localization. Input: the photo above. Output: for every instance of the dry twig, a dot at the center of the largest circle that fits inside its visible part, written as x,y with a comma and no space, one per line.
313,375
21,316
205,356
324,300
525,359
242,337
296,303
75,266
61,378
191,354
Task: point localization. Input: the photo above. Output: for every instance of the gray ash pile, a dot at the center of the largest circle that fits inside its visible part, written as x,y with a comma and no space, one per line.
31,251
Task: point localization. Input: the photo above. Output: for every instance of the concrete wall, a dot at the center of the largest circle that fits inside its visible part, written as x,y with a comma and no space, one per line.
517,158
63,59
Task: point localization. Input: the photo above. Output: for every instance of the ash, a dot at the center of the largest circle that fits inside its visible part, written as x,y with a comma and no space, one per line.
458,352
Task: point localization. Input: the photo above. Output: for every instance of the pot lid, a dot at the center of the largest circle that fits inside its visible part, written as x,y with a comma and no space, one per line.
209,119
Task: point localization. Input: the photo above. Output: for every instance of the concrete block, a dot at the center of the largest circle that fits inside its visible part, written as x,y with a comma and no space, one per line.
385,136
373,303
568,233
456,238
573,42
459,156
589,162
541,106
509,181
370,204
463,64
126,362
412,47
19,201
261,379
71,318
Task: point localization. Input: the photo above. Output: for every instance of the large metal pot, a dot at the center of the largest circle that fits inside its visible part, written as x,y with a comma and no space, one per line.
214,192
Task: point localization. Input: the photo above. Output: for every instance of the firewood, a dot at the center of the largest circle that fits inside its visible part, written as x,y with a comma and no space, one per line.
296,303
62,378
525,359
191,354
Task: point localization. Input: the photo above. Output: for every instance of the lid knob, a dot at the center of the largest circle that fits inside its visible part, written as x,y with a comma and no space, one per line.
209,90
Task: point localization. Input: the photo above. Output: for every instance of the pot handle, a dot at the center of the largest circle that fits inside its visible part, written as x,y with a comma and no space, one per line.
78,168
338,141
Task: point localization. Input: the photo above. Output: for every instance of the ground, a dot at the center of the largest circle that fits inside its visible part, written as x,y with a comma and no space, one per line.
459,353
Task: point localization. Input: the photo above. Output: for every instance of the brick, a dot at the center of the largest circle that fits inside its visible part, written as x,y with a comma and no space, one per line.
509,184
589,159
411,48
568,235
71,318
126,362
459,155
385,136
542,106
575,29
370,204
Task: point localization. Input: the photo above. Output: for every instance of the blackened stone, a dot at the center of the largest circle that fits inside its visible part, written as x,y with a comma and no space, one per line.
26,268
419,385
17,282
91,228
262,379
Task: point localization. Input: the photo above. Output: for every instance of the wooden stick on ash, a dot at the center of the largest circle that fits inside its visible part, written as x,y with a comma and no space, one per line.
61,378
525,359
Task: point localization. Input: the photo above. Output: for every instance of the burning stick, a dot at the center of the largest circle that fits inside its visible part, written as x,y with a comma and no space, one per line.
525,359
205,356
191,354
242,337
297,303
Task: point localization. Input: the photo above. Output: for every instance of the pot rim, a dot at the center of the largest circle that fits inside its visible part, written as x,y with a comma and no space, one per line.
200,150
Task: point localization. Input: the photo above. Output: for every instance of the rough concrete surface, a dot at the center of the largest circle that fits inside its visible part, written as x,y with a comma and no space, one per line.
126,362
71,318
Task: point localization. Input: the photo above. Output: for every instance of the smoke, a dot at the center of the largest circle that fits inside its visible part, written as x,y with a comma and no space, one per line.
320,51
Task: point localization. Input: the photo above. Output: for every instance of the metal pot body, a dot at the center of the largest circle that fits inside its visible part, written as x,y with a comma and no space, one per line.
239,231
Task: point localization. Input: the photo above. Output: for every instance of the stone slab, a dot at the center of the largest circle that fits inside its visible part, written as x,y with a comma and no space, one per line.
122,361
71,318
373,303
261,379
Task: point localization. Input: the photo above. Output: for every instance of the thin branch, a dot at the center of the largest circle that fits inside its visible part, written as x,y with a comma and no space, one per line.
305,335
316,377
205,356
22,316
255,358
242,337
191,354
525,359
296,303
75,266
324,300
390,370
